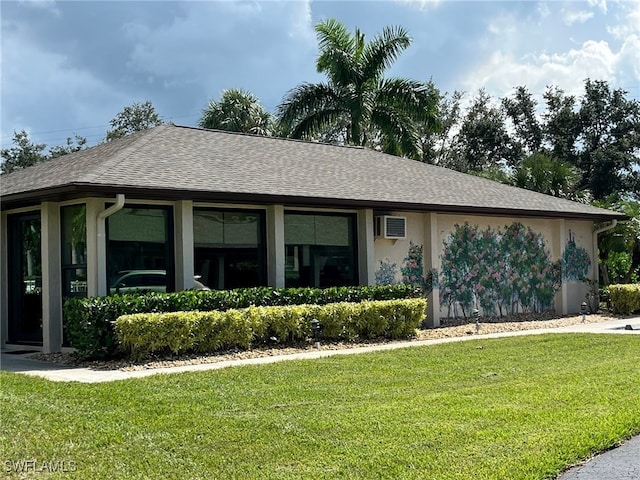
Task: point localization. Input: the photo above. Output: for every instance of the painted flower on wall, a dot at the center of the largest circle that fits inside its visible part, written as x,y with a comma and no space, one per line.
413,269
386,273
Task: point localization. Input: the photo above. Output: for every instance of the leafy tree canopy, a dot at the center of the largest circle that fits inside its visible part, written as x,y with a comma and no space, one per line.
25,153
599,134
483,141
133,118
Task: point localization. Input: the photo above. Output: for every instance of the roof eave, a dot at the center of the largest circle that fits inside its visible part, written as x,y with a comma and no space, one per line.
82,190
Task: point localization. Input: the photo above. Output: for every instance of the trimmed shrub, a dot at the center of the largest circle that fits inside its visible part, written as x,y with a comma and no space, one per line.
208,332
625,299
88,321
89,324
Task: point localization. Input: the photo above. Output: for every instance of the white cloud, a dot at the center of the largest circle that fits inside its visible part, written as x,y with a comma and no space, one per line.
543,10
568,70
571,16
562,52
598,3
421,4
629,25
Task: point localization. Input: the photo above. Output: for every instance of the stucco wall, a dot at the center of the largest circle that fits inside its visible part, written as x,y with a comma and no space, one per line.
393,252
543,256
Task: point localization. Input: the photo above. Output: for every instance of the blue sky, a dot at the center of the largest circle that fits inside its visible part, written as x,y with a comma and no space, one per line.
69,67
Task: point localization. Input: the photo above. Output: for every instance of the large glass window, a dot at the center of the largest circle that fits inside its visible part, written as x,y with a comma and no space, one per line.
74,250
229,248
73,225
140,249
320,250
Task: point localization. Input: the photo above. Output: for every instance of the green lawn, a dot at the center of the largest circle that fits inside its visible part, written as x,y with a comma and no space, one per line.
511,408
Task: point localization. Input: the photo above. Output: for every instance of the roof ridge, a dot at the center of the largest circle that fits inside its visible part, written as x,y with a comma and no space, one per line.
271,137
122,155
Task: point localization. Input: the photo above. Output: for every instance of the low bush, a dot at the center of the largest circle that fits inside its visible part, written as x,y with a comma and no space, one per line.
625,299
88,321
207,332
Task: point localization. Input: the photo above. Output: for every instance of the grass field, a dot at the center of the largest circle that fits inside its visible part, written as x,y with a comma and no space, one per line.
512,408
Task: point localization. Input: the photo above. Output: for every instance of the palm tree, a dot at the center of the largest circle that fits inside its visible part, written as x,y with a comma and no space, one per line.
546,174
237,111
357,100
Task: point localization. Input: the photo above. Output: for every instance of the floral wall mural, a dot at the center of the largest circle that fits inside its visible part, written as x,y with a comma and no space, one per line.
412,271
575,261
504,271
386,273
500,271
413,268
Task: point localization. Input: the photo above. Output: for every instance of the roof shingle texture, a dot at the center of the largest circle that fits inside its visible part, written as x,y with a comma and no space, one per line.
171,157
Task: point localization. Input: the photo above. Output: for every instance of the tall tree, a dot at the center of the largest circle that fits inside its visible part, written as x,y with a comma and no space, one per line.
369,108
26,153
435,139
236,111
521,111
133,118
482,141
23,154
561,125
609,141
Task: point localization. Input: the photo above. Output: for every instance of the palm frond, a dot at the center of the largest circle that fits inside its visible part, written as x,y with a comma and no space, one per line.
309,107
337,56
397,131
236,111
381,52
417,98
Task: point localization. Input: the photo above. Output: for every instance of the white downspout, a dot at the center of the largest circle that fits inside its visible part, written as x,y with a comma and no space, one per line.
102,243
596,257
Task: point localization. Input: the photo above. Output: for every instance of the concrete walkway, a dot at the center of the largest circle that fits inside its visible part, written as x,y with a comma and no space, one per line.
622,463
20,363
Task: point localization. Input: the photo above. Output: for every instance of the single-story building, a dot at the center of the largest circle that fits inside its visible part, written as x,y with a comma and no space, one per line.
171,206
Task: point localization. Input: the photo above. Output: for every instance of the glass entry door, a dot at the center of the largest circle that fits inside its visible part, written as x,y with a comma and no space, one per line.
25,278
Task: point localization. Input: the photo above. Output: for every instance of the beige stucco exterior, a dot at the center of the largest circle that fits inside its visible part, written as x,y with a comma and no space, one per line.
428,229
433,231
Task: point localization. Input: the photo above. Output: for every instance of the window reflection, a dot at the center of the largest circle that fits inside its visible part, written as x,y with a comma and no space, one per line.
229,248
139,242
74,250
320,250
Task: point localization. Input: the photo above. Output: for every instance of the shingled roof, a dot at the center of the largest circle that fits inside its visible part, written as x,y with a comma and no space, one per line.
173,162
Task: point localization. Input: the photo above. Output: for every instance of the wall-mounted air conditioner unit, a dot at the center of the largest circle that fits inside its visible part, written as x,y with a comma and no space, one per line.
391,227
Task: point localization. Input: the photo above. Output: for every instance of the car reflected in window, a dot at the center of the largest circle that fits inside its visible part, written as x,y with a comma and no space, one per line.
141,281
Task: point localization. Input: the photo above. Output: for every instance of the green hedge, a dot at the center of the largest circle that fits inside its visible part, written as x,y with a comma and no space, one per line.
89,321
207,332
625,299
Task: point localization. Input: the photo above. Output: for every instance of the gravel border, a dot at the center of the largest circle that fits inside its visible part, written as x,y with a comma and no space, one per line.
449,328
